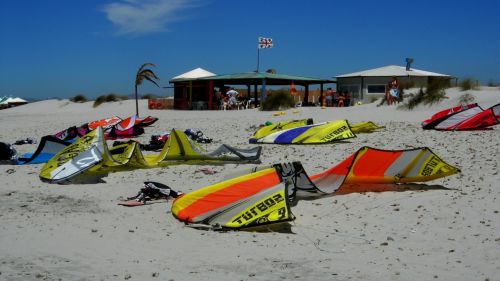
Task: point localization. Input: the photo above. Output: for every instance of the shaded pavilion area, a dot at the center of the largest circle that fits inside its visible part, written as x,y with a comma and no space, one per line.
198,93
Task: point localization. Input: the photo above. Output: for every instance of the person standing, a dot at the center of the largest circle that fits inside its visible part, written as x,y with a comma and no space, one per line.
329,97
340,98
232,94
394,90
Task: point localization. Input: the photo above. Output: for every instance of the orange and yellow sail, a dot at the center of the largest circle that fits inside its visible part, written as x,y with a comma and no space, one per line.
263,196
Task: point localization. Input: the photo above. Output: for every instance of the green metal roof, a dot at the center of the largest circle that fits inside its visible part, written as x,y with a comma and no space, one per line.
257,77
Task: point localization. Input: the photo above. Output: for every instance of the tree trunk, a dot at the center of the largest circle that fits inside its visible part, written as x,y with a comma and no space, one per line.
136,102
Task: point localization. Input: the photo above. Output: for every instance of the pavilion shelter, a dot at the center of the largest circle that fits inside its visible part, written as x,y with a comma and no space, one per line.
198,93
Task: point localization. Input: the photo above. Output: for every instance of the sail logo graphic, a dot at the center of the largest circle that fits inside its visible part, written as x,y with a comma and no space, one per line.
335,134
431,166
268,204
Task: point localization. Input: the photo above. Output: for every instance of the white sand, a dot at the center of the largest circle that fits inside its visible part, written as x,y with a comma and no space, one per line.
77,232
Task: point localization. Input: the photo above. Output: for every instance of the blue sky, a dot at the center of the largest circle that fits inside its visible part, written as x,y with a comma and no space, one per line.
61,48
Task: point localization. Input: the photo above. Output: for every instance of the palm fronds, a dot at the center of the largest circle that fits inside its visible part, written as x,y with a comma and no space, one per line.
144,74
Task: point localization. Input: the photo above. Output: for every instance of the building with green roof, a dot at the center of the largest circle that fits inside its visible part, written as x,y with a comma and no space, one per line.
191,92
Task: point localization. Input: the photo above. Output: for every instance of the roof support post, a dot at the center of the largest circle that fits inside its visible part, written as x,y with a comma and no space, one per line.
190,94
255,95
248,91
210,93
263,95
305,102
321,97
361,91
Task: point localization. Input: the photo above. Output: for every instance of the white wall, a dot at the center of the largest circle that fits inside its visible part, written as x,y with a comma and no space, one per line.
353,84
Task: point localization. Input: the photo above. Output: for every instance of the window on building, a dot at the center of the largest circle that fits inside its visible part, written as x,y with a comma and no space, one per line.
376,89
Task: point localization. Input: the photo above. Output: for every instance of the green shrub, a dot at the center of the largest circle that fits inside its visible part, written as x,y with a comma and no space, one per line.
416,99
433,94
108,98
468,84
111,98
99,100
402,95
435,90
114,97
438,83
278,100
78,98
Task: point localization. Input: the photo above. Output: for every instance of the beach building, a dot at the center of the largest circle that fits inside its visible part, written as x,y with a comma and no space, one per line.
189,90
196,89
16,101
370,84
3,102
6,102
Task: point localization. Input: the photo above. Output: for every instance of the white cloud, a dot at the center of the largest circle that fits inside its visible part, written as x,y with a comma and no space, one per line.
136,17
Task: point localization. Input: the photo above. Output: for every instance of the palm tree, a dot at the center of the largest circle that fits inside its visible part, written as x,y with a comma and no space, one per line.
144,74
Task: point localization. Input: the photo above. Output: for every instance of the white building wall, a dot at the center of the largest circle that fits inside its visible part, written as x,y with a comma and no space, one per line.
366,89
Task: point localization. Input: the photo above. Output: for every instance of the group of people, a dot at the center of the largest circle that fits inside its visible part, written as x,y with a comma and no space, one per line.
228,100
392,91
337,99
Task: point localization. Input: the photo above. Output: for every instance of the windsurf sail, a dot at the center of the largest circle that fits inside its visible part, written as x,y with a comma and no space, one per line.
264,196
91,155
306,134
437,117
105,123
76,158
72,133
255,199
130,127
114,128
47,148
374,166
482,120
280,126
469,117
365,127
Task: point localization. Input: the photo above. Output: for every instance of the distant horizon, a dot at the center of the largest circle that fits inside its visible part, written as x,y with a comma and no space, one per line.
131,96
64,48
171,94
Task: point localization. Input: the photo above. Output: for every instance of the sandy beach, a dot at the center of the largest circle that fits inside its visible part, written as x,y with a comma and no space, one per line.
78,232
